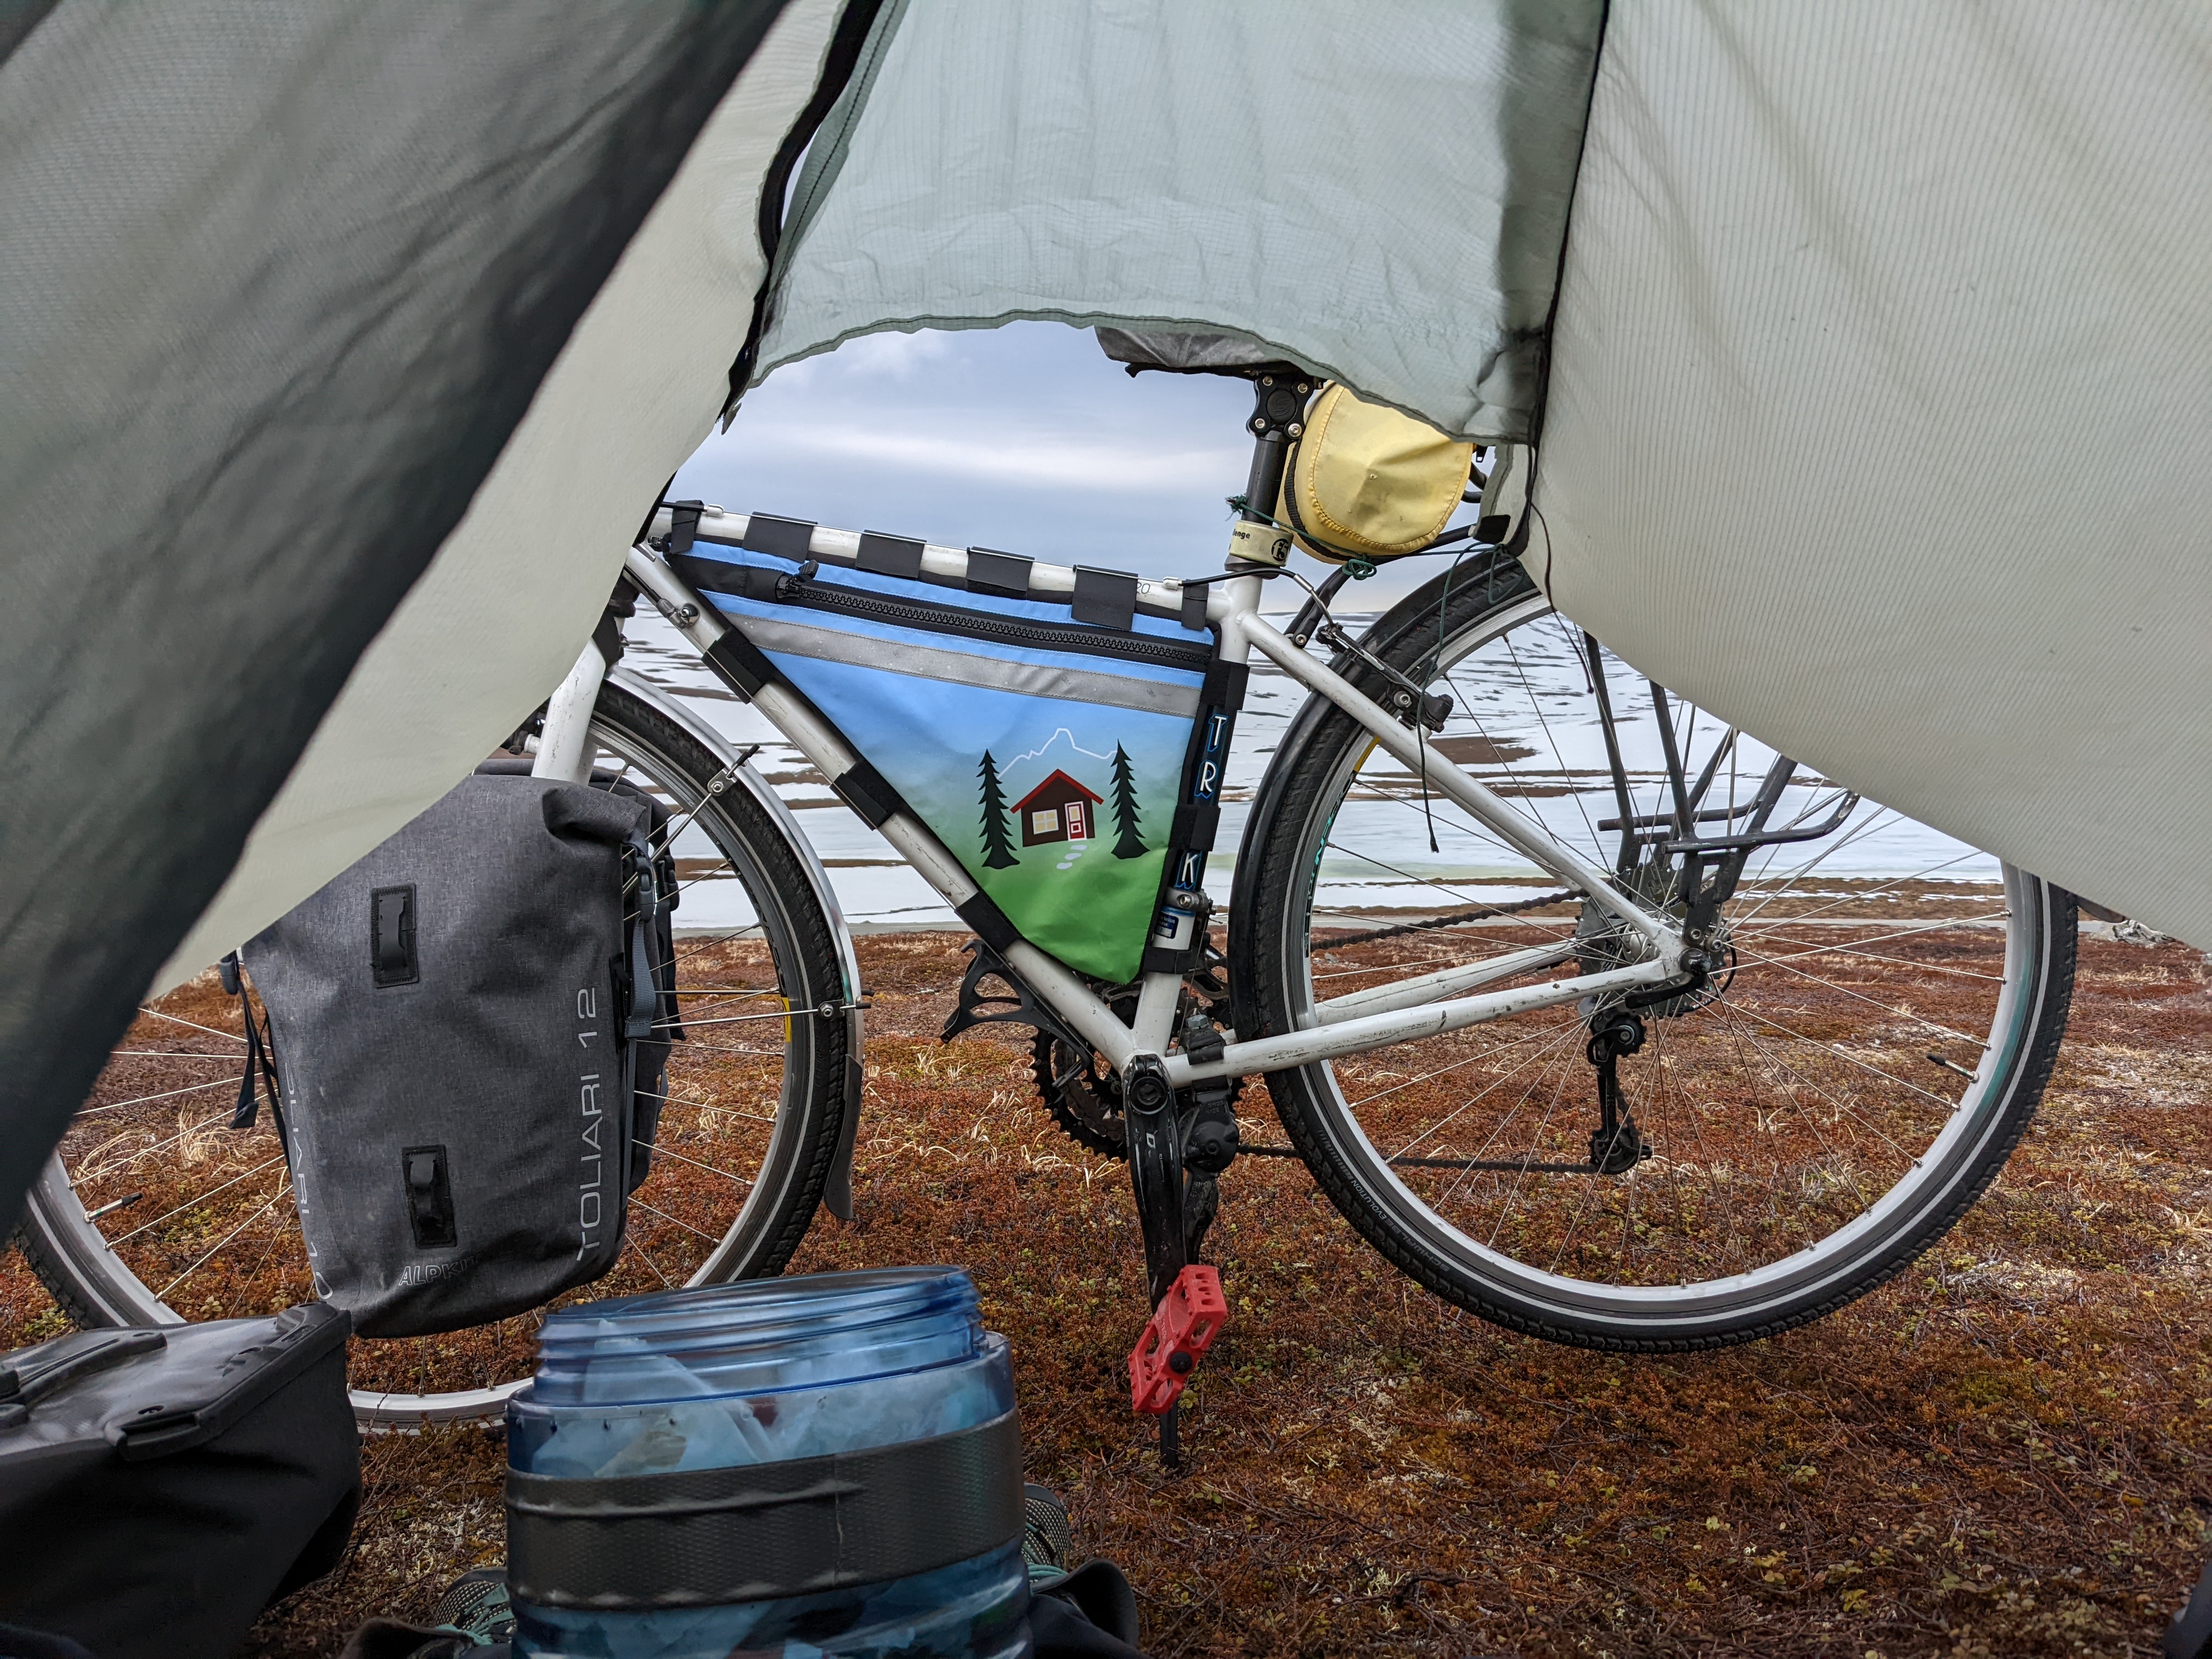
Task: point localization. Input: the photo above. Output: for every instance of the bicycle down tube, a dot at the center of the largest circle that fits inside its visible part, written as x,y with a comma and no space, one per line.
1423,1007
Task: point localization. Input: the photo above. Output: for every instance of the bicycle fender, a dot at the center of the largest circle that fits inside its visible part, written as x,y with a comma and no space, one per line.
837,1191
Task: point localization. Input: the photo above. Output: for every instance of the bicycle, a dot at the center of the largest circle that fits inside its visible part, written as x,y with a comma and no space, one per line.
1594,1015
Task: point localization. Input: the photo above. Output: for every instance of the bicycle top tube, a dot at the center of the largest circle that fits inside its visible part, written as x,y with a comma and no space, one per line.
972,569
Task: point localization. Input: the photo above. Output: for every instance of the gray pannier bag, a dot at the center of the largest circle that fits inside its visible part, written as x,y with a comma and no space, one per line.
469,1027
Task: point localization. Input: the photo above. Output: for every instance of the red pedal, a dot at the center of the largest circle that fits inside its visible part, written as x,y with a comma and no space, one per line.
1182,1328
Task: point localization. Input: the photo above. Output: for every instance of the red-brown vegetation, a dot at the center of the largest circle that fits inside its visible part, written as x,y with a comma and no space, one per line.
2003,1452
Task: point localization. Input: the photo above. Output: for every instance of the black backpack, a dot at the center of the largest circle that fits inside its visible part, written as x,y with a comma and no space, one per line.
471,1027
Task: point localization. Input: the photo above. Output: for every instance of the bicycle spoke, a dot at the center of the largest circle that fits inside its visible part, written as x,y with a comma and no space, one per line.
659,1152
1856,996
156,1013
196,1200
283,1188
637,1203
165,1094
629,1241
105,1170
1776,1104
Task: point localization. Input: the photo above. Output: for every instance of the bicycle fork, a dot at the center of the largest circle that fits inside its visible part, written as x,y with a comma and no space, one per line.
564,748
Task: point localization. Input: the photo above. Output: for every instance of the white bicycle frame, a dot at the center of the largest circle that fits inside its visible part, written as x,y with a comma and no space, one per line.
1421,1005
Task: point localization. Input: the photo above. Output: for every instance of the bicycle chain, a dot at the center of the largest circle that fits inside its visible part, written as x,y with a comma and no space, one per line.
1456,918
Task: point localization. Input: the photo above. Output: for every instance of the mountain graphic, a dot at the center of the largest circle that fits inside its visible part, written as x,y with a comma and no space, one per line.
1060,740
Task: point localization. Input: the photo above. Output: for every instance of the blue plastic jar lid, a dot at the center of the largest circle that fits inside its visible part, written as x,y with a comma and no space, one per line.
760,1336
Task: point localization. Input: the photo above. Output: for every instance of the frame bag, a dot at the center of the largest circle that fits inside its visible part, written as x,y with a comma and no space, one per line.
159,1488
471,1027
1048,742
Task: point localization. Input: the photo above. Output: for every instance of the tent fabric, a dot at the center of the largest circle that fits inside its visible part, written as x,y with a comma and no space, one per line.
1881,416
1878,414
512,596
277,286
1870,374
1376,190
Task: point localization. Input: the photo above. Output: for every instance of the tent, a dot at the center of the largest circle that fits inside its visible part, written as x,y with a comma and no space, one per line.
1863,355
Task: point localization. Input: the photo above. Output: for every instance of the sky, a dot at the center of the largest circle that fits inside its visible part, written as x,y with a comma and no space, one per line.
1025,437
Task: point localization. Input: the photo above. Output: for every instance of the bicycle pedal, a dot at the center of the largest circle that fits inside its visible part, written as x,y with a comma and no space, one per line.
1182,1328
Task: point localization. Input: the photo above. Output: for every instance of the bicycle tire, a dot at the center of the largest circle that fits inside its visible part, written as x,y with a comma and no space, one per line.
1270,943
94,1287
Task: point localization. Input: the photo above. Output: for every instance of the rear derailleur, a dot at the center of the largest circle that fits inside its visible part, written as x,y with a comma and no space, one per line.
1616,1146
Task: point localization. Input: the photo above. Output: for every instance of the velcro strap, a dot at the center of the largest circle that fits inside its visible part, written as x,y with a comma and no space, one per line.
1007,574
1104,598
705,1537
890,556
988,922
780,539
867,792
1194,607
1194,825
684,525
739,663
1225,685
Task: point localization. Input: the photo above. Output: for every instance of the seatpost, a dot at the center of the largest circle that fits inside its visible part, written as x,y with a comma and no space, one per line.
1270,451
1279,408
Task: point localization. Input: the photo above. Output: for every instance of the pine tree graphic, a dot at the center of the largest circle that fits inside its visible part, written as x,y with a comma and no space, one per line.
1129,844
998,846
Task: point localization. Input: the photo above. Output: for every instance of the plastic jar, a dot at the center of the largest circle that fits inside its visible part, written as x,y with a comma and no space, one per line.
662,1433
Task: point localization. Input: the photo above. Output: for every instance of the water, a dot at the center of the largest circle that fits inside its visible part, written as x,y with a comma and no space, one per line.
733,1375
1387,864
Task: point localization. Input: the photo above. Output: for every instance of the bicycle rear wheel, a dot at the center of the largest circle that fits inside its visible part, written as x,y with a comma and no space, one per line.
1827,1109
154,1212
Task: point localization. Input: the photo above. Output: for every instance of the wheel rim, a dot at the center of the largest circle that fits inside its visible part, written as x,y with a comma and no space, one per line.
735,1101
1591,1246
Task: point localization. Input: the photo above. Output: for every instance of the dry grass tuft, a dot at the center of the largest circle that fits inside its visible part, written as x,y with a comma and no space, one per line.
2002,1452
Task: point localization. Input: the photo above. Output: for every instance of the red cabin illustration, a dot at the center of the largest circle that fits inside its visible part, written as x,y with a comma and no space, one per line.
1058,808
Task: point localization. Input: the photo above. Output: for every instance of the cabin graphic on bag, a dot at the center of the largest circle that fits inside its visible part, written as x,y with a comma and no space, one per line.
1062,808
1058,808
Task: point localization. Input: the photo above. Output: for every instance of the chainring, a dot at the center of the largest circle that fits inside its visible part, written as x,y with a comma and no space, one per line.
1084,1097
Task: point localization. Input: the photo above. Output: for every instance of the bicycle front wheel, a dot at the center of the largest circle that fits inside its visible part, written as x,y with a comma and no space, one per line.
1783,1141
154,1211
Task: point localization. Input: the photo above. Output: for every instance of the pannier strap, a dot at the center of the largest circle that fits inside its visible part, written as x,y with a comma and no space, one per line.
704,1537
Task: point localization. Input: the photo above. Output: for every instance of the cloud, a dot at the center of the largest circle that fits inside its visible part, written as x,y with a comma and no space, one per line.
872,357
1024,458
1025,437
